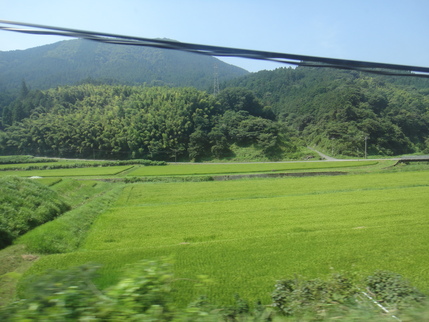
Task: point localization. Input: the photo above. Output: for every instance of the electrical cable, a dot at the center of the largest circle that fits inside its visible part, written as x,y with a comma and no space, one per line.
217,51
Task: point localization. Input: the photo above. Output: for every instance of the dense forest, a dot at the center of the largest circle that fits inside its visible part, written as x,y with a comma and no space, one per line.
274,112
139,122
335,110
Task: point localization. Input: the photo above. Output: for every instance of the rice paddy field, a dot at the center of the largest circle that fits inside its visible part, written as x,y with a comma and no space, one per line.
244,235
73,172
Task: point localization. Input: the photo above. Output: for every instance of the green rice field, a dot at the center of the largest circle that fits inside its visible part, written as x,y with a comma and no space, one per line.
73,172
23,166
245,235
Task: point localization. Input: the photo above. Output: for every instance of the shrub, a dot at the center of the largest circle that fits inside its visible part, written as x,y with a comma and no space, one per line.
392,289
143,294
298,296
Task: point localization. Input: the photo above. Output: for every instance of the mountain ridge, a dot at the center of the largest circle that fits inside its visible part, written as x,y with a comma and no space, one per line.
69,62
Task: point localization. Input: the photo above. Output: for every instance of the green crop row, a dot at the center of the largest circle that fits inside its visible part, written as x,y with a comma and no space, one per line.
245,235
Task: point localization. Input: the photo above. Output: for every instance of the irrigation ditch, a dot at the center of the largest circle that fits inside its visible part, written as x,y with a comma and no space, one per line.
277,175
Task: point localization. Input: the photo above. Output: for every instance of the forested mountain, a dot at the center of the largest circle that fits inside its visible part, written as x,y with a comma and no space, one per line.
73,61
139,122
274,112
335,110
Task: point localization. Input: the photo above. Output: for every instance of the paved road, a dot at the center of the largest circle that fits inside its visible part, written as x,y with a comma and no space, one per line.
412,157
324,156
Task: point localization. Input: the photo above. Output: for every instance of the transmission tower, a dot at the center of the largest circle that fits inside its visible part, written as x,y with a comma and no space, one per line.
215,81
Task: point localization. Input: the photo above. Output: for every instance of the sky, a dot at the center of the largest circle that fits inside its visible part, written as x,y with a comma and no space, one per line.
385,31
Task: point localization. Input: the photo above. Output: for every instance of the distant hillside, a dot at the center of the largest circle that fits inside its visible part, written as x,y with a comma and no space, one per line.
336,109
73,61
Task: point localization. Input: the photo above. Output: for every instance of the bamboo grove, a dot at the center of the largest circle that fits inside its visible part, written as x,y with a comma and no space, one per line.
137,122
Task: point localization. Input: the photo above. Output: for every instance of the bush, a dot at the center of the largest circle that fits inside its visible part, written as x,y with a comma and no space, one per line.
298,296
392,290
143,294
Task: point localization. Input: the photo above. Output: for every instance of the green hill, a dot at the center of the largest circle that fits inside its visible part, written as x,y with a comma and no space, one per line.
343,113
336,110
72,61
138,122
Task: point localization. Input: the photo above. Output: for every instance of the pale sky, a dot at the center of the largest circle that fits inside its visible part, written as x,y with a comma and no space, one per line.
385,31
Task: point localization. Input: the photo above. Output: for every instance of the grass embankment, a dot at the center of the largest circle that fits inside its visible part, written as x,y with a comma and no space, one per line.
18,159
24,205
51,164
247,234
87,200
235,168
68,232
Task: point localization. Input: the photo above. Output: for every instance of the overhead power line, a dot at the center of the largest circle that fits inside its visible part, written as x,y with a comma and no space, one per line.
217,51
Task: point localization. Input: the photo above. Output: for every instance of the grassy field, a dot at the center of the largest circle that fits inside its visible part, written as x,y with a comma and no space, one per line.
52,163
231,168
247,234
6,167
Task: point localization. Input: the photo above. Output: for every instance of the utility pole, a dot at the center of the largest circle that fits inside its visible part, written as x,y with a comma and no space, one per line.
366,146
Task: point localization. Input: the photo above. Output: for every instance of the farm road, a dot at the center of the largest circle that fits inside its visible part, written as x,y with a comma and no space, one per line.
324,156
